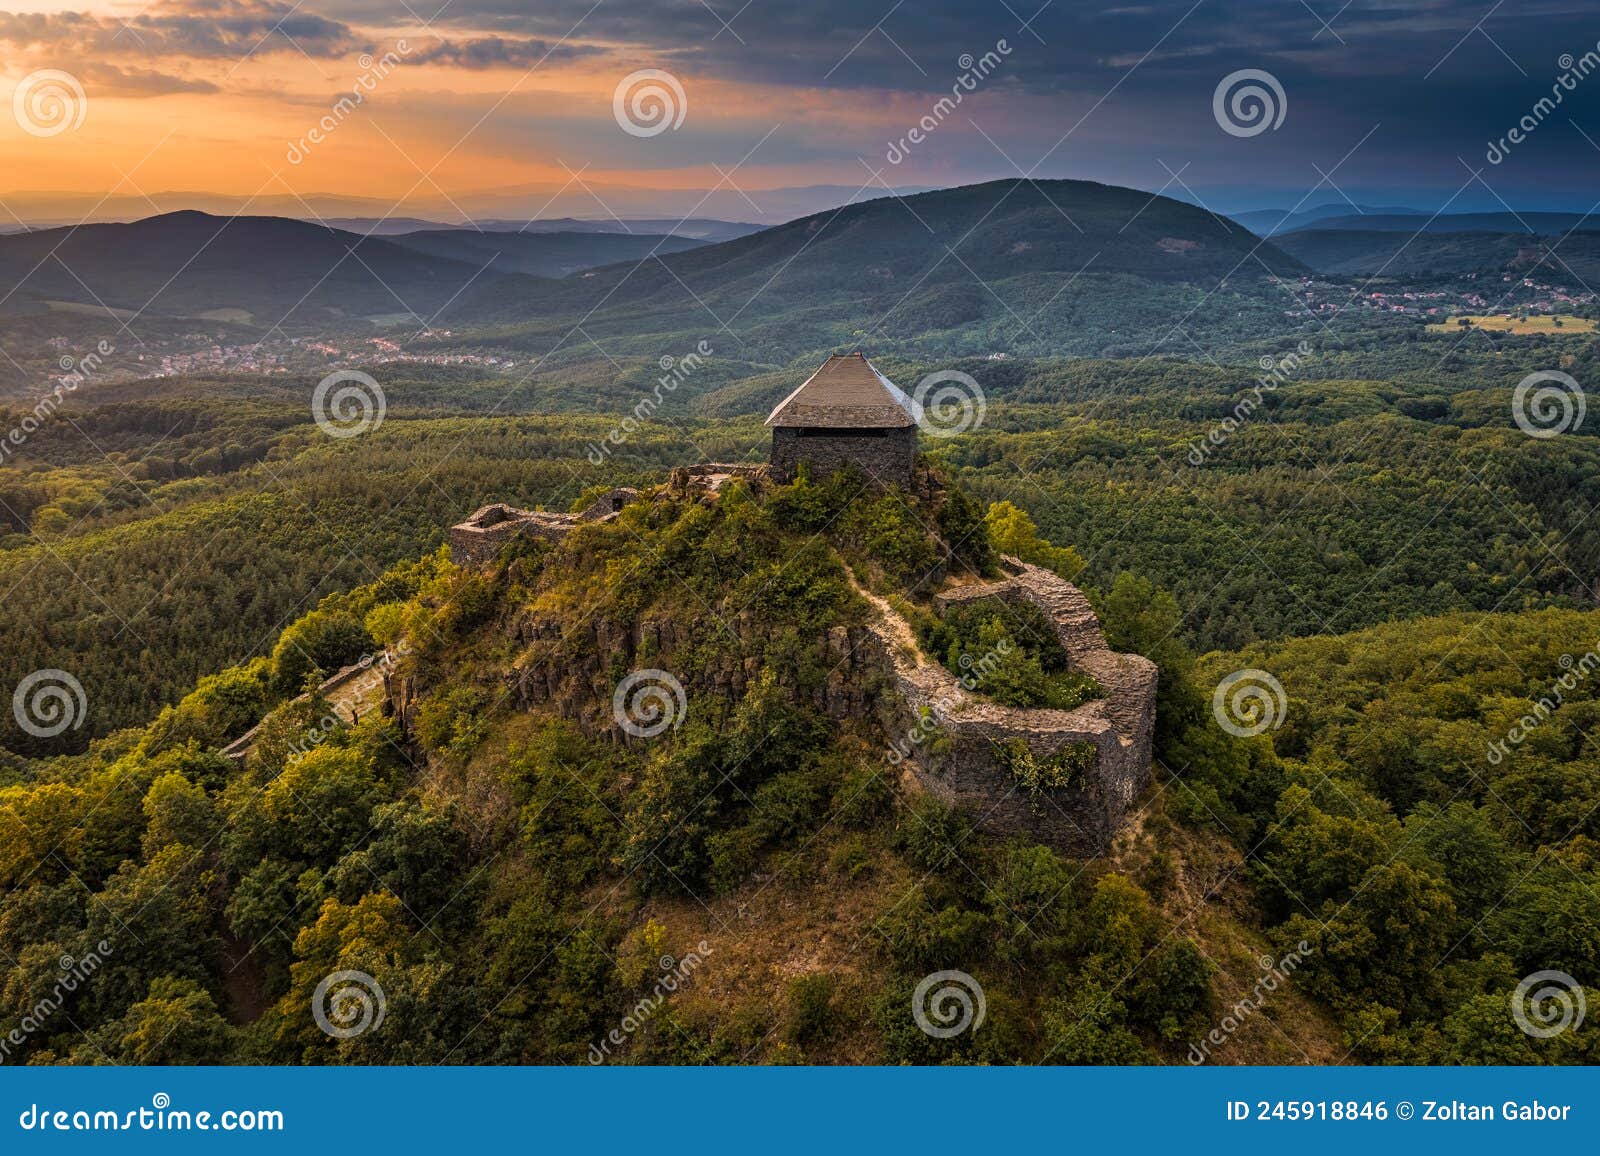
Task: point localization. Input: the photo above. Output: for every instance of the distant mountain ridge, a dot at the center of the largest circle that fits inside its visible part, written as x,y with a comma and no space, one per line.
276,270
939,262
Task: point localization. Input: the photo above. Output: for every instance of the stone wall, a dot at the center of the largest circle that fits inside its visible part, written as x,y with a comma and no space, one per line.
955,743
885,455
481,537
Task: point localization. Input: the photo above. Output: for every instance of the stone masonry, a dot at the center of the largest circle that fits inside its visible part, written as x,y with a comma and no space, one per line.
477,540
953,741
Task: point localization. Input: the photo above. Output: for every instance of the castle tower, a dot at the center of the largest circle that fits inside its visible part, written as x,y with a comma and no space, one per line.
846,413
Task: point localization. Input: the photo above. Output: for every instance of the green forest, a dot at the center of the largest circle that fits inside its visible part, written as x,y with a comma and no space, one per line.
1418,833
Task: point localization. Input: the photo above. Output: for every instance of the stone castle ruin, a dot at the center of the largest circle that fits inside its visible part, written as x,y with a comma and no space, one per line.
948,740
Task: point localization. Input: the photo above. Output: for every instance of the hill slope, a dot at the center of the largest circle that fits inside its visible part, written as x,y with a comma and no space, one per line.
552,254
190,263
1341,251
955,260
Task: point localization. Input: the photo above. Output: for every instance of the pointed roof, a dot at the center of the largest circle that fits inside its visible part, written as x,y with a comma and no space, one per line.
846,392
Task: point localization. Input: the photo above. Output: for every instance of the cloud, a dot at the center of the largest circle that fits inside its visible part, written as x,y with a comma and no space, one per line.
109,80
229,30
499,52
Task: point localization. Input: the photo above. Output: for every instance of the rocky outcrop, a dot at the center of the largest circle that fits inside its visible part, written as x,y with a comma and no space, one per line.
1066,778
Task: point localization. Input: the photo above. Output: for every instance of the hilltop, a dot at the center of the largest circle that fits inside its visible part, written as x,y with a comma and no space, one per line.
1032,258
533,842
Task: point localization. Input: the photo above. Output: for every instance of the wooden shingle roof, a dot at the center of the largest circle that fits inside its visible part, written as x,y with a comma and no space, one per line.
846,392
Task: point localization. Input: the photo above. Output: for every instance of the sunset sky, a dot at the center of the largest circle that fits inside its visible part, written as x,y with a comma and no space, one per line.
1394,102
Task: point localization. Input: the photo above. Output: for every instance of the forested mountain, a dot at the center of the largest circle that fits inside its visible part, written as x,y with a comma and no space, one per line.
1036,260
256,269
1397,253
543,254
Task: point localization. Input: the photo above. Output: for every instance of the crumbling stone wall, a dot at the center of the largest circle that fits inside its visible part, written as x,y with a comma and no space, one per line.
476,541
955,743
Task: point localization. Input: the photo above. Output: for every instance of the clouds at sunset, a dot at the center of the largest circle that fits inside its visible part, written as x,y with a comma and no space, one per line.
495,94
